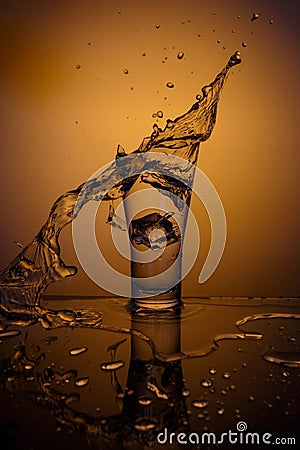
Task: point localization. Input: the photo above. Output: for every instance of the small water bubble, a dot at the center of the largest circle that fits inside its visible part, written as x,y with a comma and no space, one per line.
77,351
292,340
120,395
223,392
244,44
28,367
244,365
271,21
170,85
226,375
160,114
112,365
185,392
206,383
180,55
157,26
218,41
199,35
81,382
199,404
220,411
98,409
285,374
255,16
78,66
251,398
201,416
232,387
126,71
154,115
144,401
144,54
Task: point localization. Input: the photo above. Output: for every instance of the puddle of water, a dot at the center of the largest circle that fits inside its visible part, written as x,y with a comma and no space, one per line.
205,367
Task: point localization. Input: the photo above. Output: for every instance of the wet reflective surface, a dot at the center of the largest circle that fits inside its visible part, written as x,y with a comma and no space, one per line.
201,368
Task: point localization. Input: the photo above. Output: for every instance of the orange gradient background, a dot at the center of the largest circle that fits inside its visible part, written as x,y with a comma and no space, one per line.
60,124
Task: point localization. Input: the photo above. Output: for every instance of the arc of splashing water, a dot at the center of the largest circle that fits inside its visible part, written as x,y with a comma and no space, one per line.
83,226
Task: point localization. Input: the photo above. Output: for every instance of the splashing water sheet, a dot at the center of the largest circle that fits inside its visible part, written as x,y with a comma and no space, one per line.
99,373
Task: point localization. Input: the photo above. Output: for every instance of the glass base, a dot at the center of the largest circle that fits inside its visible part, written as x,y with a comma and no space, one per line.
157,302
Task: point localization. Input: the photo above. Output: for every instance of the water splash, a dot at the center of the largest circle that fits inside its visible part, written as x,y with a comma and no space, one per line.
39,264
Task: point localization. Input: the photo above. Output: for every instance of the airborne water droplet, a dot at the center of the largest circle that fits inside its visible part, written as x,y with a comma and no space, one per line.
170,85
244,44
180,55
226,375
157,26
81,382
77,351
112,365
271,21
78,66
254,17
126,71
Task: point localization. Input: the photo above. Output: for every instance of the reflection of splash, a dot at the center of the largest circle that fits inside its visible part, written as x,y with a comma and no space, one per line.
154,394
39,264
50,389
